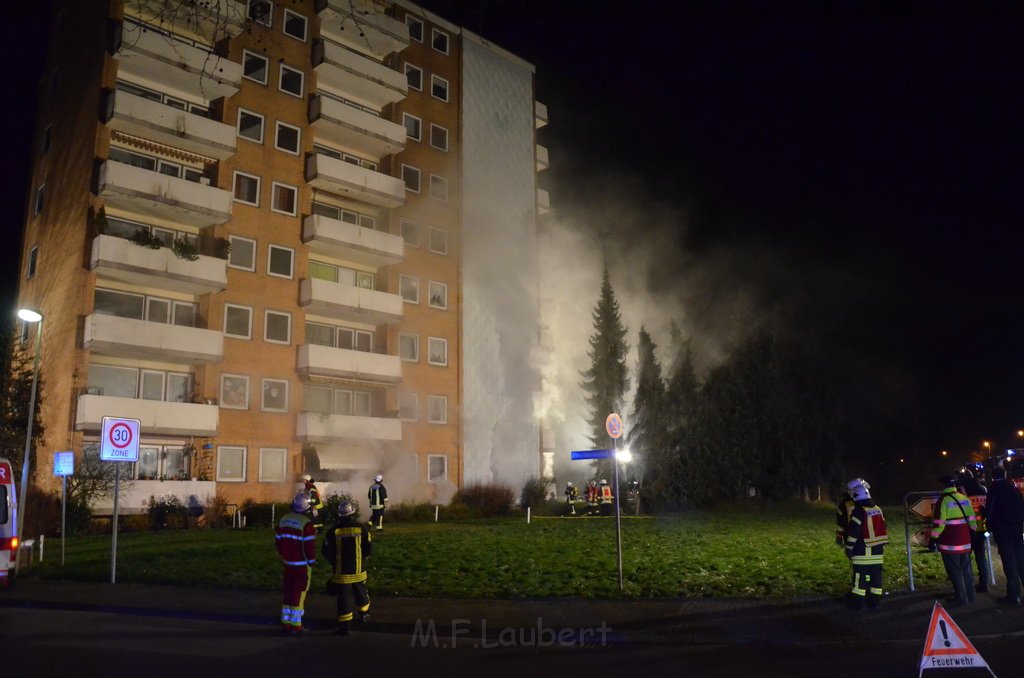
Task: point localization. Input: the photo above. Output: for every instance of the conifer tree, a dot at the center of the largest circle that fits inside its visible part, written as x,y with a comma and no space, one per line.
648,428
15,393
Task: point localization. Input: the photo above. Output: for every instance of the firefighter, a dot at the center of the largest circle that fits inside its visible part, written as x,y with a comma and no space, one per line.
954,523
316,506
865,537
844,507
347,545
378,496
571,495
1004,513
976,492
606,498
295,539
592,496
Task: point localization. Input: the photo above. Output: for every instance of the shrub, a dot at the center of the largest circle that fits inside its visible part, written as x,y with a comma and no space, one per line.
535,492
486,501
42,515
422,512
264,514
167,511
78,517
216,512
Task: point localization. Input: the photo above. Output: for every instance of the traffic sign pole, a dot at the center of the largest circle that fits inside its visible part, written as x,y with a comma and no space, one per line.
618,514
113,540
119,441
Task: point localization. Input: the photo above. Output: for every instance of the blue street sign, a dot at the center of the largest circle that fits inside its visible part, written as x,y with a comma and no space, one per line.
591,454
64,463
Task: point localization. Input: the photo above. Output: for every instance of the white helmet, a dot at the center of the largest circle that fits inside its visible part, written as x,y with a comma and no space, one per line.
378,478
603,481
859,489
568,484
307,477
301,503
346,508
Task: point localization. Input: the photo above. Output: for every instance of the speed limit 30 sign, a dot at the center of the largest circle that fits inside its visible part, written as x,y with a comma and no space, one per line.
119,440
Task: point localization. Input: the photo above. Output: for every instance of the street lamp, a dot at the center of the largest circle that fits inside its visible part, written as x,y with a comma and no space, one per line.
29,316
988,447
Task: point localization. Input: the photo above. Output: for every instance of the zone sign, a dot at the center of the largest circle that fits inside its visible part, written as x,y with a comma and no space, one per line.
119,440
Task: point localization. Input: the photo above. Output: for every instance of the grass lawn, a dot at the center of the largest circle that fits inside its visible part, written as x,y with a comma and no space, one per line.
775,552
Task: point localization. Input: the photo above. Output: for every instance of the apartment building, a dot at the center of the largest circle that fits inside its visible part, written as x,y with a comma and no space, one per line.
287,237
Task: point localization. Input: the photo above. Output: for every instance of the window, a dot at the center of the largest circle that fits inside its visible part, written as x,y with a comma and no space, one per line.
410,233
277,327
275,395
284,198
438,188
438,241
437,468
409,347
261,11
342,214
33,260
242,253
234,391
141,307
160,463
287,138
295,25
411,177
339,337
437,294
279,261
413,126
130,382
250,125
408,406
237,321
409,288
438,137
439,41
437,351
273,464
414,76
47,138
39,199
291,81
437,409
230,464
247,189
255,67
439,87
415,27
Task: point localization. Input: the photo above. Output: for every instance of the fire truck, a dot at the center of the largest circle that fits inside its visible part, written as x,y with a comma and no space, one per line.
8,524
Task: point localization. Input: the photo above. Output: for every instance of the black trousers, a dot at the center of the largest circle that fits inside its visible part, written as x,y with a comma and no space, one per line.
980,558
867,585
1011,552
347,595
958,567
377,518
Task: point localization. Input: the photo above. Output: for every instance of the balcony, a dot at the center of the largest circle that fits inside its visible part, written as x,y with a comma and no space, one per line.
170,65
157,417
115,258
151,194
325,361
352,181
351,76
370,31
543,201
343,125
169,126
144,340
313,427
348,302
333,238
542,158
205,22
540,114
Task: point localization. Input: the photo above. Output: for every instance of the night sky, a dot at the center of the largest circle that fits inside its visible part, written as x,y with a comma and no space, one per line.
871,157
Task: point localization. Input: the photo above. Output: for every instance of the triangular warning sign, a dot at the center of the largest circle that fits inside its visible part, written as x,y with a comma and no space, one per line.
946,646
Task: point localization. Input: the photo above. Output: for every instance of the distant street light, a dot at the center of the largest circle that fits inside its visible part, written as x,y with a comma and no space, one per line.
988,447
945,453
29,316
1020,434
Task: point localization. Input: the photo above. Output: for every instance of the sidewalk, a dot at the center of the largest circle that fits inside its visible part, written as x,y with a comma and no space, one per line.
902,617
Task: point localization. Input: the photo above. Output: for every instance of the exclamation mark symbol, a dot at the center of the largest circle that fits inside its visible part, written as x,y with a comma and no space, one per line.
945,636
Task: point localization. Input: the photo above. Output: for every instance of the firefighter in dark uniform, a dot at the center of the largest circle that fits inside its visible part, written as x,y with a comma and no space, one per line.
295,539
606,498
976,492
347,545
378,496
866,537
592,495
571,495
316,506
844,508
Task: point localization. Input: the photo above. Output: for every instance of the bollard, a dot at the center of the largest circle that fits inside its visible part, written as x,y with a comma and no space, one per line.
527,515
437,510
273,520
42,539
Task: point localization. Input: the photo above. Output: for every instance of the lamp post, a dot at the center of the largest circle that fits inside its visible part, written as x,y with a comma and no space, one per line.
29,316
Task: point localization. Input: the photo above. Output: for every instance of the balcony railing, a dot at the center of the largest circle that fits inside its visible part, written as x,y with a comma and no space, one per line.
156,416
167,125
542,158
314,427
325,361
145,340
370,30
119,259
540,114
352,76
167,64
152,194
346,179
343,125
543,201
134,497
206,22
350,242
348,302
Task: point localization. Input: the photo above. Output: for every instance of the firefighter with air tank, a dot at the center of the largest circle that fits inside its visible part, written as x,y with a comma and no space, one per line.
865,539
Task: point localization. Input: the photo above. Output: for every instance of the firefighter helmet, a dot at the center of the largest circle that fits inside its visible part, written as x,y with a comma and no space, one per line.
307,478
345,508
301,503
603,481
568,484
378,478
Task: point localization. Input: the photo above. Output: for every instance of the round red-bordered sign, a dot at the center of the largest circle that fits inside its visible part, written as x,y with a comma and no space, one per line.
613,424
120,430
